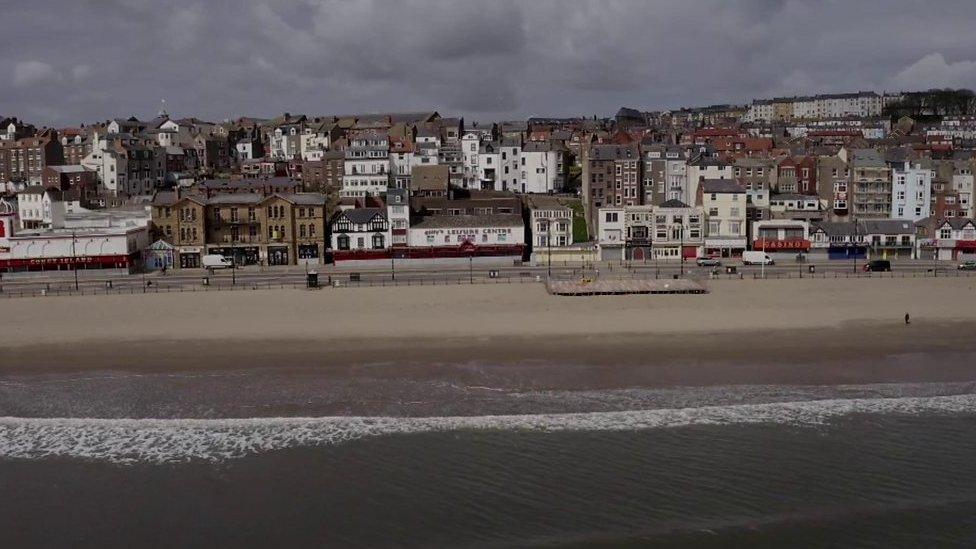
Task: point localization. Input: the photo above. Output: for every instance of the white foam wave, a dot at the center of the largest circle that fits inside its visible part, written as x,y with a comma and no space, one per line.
170,440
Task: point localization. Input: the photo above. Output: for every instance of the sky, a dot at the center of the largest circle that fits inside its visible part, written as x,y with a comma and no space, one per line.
67,62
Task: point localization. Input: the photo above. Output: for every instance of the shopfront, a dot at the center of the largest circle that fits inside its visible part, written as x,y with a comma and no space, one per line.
278,255
308,254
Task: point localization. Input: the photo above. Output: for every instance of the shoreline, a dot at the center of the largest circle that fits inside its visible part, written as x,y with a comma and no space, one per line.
859,353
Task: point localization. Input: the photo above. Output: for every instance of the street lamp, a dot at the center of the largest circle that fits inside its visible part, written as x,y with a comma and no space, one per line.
681,248
854,247
74,258
549,246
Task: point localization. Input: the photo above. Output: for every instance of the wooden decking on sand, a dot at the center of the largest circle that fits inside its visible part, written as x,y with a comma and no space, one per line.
619,287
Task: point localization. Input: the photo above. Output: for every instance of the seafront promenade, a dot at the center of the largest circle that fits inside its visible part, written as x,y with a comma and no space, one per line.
54,283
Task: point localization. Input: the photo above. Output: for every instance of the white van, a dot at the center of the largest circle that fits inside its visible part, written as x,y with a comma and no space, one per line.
216,261
757,258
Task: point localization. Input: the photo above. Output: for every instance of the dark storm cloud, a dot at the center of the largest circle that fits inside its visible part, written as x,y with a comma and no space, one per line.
65,62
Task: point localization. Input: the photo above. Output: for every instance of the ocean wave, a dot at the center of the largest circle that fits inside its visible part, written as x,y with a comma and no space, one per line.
175,440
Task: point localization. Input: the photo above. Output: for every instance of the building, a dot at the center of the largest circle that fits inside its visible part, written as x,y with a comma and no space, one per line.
954,239
611,177
870,183
786,237
24,159
468,236
665,173
669,231
40,208
542,167
432,180
367,165
833,181
797,175
888,238
180,221
79,244
724,202
551,229
611,234
250,228
704,167
69,177
360,234
911,191
838,240
324,175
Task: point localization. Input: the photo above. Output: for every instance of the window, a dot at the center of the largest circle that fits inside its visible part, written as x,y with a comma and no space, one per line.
502,237
377,242
343,242
611,217
713,212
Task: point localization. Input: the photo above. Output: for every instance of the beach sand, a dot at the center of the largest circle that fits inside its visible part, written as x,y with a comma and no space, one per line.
422,331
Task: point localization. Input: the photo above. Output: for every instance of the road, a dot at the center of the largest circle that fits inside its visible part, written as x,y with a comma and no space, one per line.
272,277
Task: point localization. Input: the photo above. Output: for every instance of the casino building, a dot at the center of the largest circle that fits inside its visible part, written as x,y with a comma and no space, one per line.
783,237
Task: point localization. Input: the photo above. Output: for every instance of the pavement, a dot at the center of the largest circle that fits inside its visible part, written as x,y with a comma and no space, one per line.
253,276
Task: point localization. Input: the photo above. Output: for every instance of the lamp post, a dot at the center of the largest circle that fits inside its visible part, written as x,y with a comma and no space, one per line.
854,246
681,248
471,267
549,246
74,257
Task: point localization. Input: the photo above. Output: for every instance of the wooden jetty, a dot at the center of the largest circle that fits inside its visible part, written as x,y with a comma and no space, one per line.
625,286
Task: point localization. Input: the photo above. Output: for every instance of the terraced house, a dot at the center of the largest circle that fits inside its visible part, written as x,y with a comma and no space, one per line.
279,229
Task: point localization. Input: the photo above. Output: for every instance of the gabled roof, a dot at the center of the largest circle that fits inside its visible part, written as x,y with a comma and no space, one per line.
362,215
957,223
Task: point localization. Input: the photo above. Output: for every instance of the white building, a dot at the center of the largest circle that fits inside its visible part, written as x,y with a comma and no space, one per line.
962,183
360,230
542,167
724,202
469,232
611,234
699,169
245,150
911,191
82,245
509,169
398,212
40,208
367,166
110,163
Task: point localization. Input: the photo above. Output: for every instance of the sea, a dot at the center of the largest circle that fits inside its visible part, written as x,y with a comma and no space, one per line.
265,458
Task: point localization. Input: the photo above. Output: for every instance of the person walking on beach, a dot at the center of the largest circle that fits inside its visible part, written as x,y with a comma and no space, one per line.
908,319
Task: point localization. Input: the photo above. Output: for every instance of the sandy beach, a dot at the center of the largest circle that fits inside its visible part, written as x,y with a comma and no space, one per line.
837,321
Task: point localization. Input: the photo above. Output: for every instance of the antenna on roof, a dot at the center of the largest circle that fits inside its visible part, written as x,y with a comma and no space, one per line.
162,108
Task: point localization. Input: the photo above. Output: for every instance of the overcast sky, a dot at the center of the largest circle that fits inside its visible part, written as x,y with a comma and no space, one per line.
63,62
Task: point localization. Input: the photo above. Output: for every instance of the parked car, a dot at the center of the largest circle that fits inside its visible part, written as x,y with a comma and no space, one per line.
708,262
967,266
877,266
757,258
